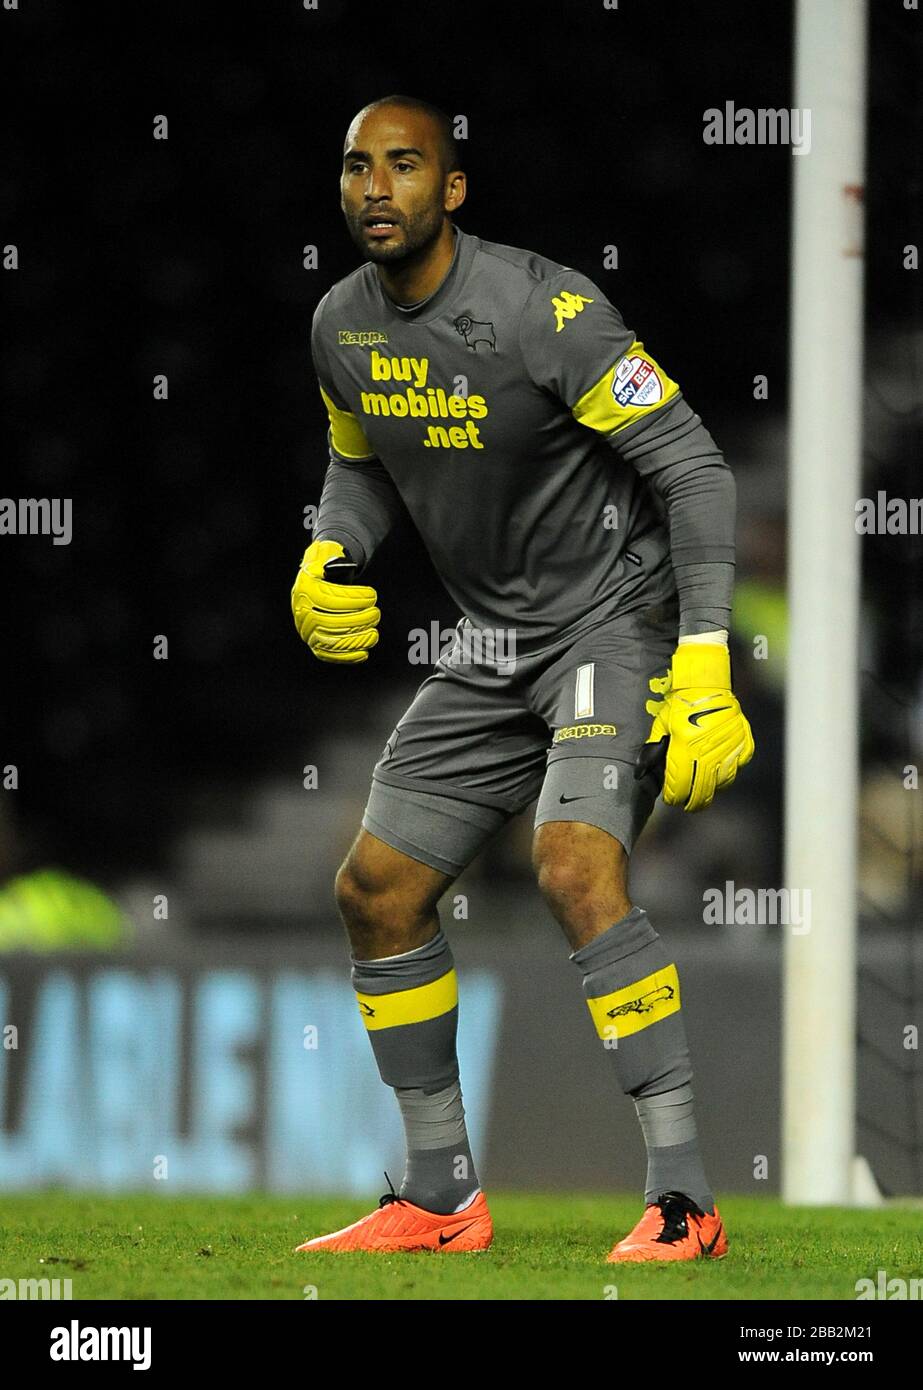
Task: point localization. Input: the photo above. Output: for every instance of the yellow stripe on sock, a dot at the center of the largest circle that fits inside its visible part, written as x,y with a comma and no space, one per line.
410,1005
626,1011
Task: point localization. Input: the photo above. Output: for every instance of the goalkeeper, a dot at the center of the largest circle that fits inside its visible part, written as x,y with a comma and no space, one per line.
582,518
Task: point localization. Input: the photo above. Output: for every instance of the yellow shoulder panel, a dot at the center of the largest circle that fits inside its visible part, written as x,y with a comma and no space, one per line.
633,386
348,437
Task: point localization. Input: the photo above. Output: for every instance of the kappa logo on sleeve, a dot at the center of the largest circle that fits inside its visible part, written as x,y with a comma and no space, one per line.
567,306
637,381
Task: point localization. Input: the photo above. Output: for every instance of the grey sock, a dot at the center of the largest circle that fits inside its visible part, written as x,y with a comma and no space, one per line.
409,1005
440,1174
632,989
674,1163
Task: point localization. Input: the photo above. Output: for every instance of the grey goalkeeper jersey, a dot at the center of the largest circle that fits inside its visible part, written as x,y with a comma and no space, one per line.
528,434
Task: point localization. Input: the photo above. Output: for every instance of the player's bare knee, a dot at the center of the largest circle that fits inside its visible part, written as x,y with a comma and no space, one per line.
565,882
351,898
577,864
362,897
374,900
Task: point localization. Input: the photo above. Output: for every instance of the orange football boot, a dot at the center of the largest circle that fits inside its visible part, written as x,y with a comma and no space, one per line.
672,1228
399,1225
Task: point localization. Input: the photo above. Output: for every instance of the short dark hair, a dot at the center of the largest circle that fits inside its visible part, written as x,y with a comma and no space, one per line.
445,130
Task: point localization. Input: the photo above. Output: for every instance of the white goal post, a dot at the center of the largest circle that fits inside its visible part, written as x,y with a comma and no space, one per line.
822,712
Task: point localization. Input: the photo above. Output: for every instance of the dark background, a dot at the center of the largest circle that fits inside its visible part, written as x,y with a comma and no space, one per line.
139,257
184,257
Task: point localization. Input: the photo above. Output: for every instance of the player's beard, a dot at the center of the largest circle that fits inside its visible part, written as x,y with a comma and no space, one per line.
415,233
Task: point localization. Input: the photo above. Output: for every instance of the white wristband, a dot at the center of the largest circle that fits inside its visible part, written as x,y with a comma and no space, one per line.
717,638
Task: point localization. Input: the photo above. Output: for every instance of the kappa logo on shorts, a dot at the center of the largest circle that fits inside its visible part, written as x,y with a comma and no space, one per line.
584,731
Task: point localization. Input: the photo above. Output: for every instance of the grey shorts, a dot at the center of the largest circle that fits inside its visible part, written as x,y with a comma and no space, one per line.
480,741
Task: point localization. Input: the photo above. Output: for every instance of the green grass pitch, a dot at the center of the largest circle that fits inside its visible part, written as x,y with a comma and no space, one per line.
545,1247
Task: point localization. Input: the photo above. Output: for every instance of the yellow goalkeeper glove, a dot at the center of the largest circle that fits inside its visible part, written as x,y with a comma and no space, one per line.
338,621
699,734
